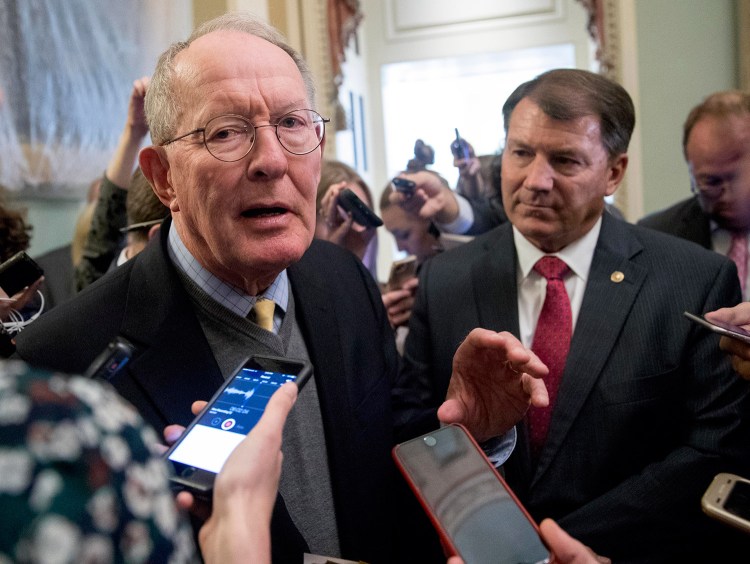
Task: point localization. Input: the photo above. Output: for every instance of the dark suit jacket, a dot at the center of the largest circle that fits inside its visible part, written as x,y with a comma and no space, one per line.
349,340
649,408
686,219
58,285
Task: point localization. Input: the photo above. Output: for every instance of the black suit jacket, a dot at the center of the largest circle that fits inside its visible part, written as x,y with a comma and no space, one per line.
685,219
58,285
649,408
351,346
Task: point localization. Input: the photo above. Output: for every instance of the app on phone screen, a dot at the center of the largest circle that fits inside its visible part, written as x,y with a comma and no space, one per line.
223,426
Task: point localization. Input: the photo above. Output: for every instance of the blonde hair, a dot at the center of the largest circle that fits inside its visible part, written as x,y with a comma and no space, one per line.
81,232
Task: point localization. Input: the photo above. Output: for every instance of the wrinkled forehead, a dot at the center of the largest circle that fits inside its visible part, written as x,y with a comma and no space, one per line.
233,64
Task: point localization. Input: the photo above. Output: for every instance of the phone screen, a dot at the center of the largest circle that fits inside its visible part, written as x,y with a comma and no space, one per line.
477,512
205,446
738,501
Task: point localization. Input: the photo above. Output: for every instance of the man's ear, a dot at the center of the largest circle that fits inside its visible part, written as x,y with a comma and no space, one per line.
617,167
155,167
153,231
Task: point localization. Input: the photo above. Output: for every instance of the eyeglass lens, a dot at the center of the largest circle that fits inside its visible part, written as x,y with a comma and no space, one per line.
230,137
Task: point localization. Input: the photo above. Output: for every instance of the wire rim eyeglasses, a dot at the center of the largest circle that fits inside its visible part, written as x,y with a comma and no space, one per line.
231,137
711,186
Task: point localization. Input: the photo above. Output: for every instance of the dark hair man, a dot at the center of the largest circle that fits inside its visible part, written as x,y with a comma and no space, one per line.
644,408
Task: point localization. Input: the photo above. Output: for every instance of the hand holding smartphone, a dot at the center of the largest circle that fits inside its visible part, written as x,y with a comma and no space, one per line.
18,272
721,328
477,515
728,500
200,453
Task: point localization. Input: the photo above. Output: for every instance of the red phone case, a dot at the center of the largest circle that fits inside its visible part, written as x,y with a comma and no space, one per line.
445,538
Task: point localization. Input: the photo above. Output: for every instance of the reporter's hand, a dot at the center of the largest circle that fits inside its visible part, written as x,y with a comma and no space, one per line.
739,351
431,199
399,303
245,490
565,549
19,300
494,381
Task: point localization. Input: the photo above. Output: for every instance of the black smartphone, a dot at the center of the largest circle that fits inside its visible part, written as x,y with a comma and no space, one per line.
18,272
111,360
201,451
476,514
361,213
728,499
721,328
404,185
460,148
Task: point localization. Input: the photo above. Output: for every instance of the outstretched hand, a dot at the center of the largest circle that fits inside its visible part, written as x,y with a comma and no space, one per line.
495,379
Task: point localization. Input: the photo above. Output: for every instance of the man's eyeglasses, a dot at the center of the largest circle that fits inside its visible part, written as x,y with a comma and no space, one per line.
229,138
710,186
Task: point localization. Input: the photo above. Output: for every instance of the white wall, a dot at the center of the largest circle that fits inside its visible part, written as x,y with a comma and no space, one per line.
686,50
413,30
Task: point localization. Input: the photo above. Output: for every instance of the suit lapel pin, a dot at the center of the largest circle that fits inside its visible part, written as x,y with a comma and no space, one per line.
617,277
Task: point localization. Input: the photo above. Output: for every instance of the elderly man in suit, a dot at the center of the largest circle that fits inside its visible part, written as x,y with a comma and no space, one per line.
644,409
716,145
236,157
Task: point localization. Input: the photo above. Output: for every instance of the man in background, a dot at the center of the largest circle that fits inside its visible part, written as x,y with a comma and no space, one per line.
716,145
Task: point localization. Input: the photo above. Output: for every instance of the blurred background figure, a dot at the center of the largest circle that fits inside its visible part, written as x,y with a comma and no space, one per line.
105,239
413,234
15,233
716,146
334,225
59,263
145,213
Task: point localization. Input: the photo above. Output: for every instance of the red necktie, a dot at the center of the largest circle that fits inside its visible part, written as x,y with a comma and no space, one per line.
738,253
551,343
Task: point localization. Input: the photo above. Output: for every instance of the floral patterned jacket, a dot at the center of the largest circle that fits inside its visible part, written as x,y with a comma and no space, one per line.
80,480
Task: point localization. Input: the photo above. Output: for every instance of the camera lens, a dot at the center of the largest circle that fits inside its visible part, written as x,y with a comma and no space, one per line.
430,441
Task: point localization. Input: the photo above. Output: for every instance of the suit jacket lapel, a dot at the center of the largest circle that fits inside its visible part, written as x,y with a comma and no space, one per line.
160,320
324,347
493,282
605,308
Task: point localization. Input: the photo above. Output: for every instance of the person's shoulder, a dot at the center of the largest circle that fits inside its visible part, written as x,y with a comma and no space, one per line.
686,208
477,247
674,248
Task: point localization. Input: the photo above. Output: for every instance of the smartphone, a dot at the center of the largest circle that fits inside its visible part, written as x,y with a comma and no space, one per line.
460,148
111,360
721,328
18,272
401,271
728,499
477,515
404,185
361,213
201,451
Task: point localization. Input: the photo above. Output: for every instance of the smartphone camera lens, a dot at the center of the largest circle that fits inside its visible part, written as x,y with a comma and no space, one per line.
430,441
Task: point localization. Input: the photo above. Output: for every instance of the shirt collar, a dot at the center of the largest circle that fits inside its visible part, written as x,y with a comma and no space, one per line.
225,294
577,255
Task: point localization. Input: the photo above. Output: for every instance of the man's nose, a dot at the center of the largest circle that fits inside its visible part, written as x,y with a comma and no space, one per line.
539,174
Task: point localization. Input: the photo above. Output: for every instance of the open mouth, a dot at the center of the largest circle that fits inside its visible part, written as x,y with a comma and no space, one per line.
263,212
